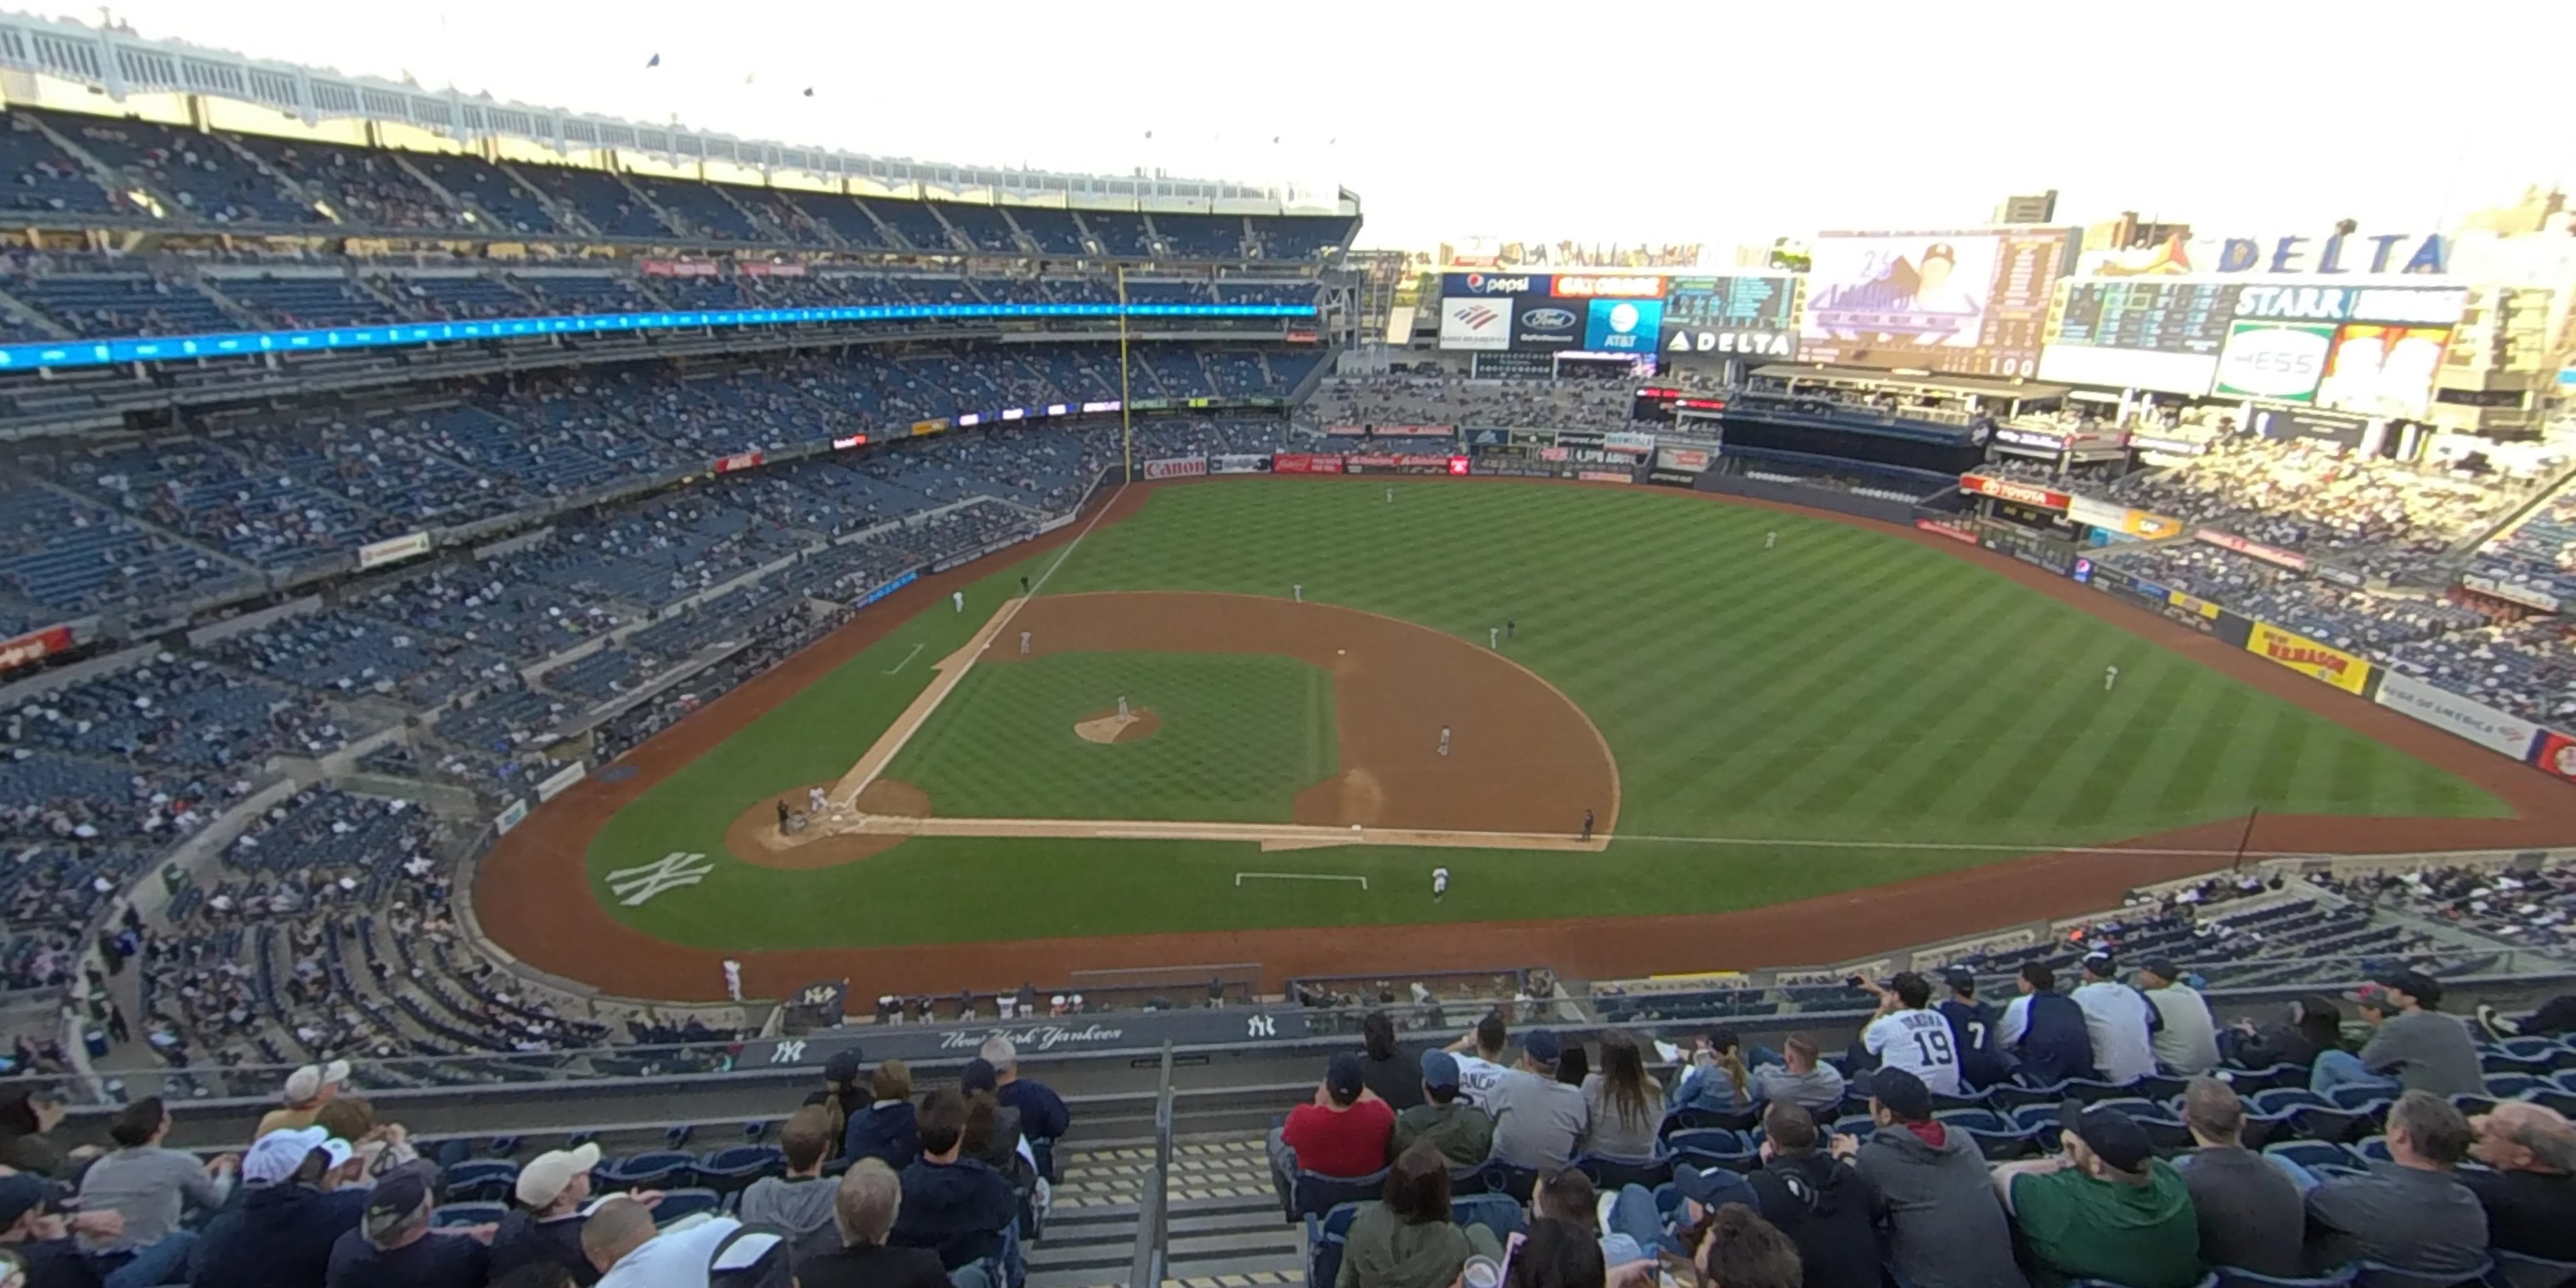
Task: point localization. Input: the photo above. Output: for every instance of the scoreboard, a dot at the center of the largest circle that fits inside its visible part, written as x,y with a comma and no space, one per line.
1764,302
2147,315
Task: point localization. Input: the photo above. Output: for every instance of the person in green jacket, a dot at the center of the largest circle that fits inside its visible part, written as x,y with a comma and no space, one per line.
2107,1208
1405,1239
1461,1132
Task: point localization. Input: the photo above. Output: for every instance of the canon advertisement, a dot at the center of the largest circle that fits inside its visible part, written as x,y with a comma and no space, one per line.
1967,302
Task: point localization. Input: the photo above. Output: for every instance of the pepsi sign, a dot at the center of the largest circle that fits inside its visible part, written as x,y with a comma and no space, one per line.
1456,284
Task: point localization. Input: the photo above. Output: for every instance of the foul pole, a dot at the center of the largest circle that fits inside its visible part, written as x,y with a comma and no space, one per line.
1126,417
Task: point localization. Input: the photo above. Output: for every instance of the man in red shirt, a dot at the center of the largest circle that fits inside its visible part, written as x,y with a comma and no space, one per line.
1343,1133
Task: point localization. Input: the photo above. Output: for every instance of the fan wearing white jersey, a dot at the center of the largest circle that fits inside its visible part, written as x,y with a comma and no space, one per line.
1909,1036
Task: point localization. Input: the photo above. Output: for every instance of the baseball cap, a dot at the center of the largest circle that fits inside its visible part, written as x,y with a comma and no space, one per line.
394,1200
275,1156
21,1193
1342,1076
308,1082
1439,1069
1904,1094
2425,989
1541,1045
2115,1136
2102,964
977,1076
843,1065
1959,977
2162,968
543,1180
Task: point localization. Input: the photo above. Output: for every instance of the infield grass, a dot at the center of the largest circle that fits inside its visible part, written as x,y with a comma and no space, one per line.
1846,686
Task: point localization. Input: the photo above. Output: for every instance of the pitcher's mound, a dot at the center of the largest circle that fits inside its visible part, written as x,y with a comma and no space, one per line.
1105,726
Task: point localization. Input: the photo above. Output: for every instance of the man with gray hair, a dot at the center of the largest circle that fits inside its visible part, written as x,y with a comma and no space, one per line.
395,1244
863,1211
2411,1213
2530,1195
1043,1116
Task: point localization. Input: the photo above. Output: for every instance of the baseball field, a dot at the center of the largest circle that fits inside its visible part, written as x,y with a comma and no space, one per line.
1462,671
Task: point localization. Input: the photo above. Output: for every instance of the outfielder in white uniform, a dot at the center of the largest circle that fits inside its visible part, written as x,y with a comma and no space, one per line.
1770,540
2110,676
1297,592
1493,637
1444,740
733,979
959,599
1439,884
1024,642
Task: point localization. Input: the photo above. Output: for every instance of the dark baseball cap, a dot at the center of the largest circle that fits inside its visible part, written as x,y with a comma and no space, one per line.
2102,964
1541,1045
843,1065
1439,1069
1342,1076
2162,968
1901,1092
2426,990
2115,1136
21,1193
400,1193
1960,977
977,1076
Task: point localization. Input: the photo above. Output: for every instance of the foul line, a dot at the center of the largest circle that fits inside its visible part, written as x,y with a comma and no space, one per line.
1300,876
907,659
891,743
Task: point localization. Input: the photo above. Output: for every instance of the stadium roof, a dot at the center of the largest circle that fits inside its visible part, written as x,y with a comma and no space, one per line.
118,63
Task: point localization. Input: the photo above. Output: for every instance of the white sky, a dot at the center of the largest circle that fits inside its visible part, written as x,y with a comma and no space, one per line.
1680,120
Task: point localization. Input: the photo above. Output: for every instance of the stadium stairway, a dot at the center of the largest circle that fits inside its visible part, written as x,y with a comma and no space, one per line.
1225,1226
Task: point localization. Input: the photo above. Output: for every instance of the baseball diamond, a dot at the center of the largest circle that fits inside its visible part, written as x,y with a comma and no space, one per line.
1785,752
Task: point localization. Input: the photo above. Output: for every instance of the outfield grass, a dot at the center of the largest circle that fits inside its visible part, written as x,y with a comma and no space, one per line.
1847,686
1240,735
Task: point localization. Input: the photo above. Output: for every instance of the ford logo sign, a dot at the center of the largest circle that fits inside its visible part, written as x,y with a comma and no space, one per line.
1547,319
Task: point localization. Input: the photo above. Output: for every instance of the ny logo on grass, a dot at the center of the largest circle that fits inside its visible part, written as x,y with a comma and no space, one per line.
633,886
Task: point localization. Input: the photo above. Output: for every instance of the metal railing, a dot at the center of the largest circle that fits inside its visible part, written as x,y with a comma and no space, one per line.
1153,1196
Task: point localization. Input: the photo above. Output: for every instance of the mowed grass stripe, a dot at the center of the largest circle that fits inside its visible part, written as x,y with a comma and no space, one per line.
2127,771
1922,775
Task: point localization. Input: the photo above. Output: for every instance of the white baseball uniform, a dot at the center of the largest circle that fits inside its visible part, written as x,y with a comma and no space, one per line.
733,979
1919,1042
1439,882
959,599
2110,676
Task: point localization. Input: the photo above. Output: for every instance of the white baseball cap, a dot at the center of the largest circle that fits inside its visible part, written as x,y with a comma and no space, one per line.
275,1156
543,1180
306,1083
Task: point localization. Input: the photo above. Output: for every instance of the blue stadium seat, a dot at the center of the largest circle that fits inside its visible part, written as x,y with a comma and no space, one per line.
736,1167
1495,1212
1314,1193
454,1214
2311,1154
482,1180
1997,1137
660,1170
1324,1241
1610,1174
680,1203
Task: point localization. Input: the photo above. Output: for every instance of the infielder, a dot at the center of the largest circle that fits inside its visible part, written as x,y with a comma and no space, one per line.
959,599
2110,676
1444,740
1511,628
1024,642
1390,496
1439,884
1297,592
733,979
1770,539
1587,825
1493,637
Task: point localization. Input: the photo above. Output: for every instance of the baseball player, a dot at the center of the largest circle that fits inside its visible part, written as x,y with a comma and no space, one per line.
1770,539
782,818
959,599
1439,884
1297,592
1511,628
1024,584
1024,643
1493,637
1390,496
2110,677
733,979
1444,740
815,800
1587,825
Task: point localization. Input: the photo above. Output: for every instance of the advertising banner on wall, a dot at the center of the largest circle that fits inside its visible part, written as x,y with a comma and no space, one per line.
1544,325
2556,754
1177,467
2511,593
1474,323
2121,519
1238,464
2308,657
393,550
1494,285
2009,490
1304,463
2506,735
1622,326
2281,361
2382,370
1714,344
2289,559
561,781
35,646
1692,459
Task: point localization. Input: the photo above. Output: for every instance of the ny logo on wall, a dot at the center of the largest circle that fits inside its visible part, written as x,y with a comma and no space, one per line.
634,886
788,1052
1261,1026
